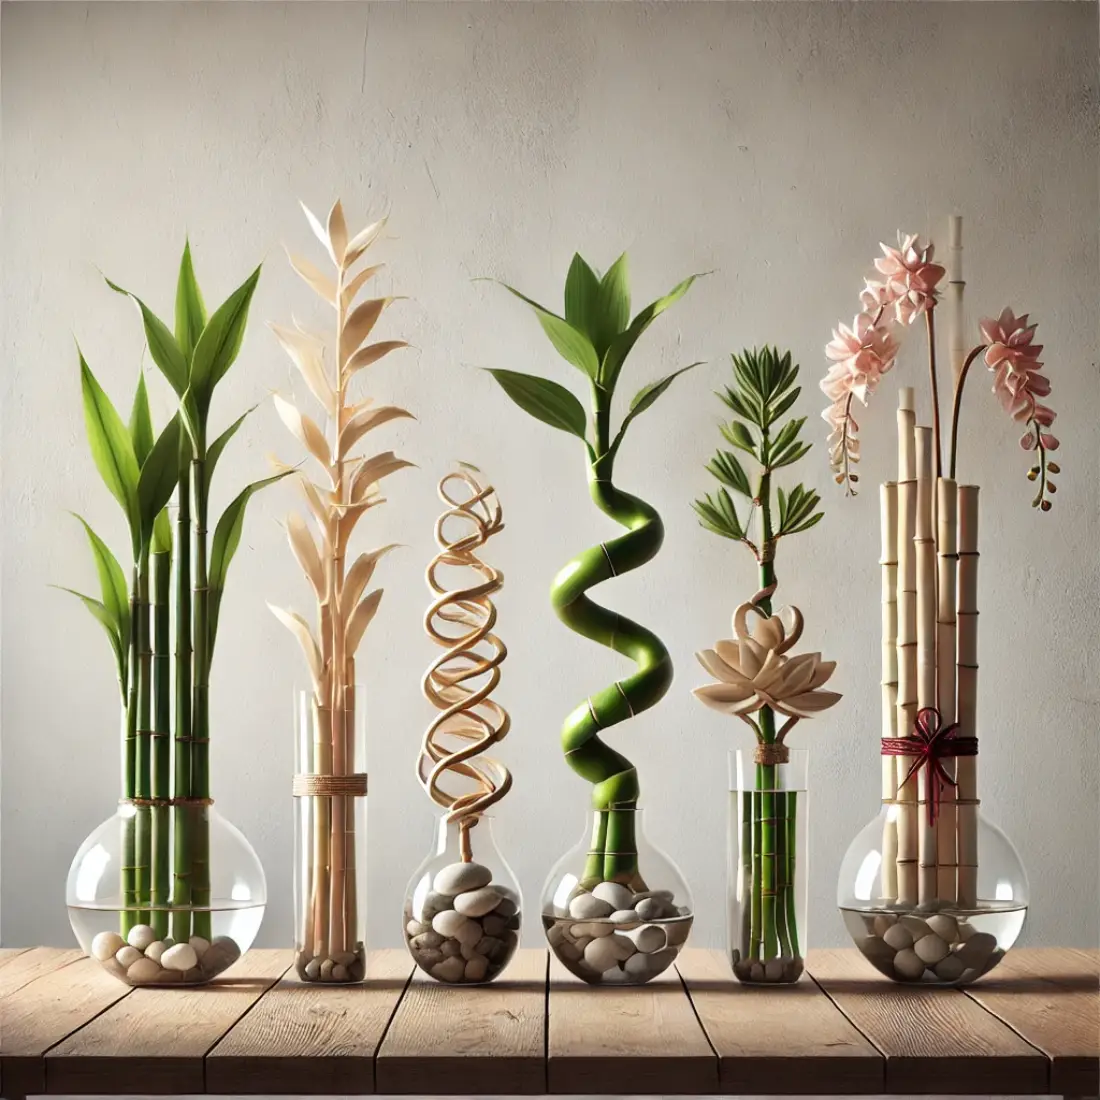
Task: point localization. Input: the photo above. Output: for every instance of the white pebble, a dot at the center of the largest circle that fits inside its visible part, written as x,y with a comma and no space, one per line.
180,957
313,969
156,949
950,969
106,945
448,922
589,907
898,937
624,916
199,945
944,926
593,931
661,895
652,908
450,970
327,967
930,949
908,964
603,954
476,903
456,878
414,928
144,970
648,938
916,926
476,969
639,965
140,936
615,894
127,956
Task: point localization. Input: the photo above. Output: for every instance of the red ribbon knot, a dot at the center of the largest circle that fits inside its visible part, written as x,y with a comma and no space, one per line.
930,743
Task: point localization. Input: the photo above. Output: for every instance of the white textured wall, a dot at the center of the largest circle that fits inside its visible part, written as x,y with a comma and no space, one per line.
773,143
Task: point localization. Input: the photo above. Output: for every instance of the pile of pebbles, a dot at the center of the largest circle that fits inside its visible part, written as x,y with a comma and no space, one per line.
783,969
933,948
340,966
612,934
465,929
143,959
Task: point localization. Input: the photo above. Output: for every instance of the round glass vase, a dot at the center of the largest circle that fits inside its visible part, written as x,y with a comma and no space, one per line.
615,908
126,874
973,909
330,839
766,872
463,907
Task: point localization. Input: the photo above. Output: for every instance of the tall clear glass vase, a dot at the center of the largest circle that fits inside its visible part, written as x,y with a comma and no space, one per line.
330,839
766,865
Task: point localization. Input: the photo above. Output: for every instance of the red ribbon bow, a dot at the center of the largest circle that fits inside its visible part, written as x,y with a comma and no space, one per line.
929,744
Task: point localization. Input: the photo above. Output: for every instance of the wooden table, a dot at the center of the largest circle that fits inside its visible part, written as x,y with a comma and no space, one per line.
1033,1026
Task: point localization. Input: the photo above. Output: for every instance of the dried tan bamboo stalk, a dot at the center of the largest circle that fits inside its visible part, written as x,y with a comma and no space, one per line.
967,766
947,561
906,646
925,550
956,285
888,501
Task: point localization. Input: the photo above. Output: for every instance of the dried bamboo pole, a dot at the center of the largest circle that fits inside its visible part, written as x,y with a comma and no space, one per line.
888,504
925,551
967,766
906,645
947,562
956,286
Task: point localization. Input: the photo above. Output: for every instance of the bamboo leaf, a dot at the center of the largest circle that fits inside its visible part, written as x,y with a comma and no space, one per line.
112,451
645,397
791,455
725,467
739,436
356,284
220,342
782,497
319,232
305,430
350,516
115,597
162,344
742,405
162,533
159,477
811,522
305,551
103,617
544,400
571,344
214,451
362,241
366,420
613,305
307,354
714,518
141,422
371,471
300,629
358,326
369,355
775,411
190,308
316,279
582,290
337,232
360,620
358,578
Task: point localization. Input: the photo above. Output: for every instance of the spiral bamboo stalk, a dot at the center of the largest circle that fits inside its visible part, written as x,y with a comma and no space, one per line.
888,500
461,680
967,766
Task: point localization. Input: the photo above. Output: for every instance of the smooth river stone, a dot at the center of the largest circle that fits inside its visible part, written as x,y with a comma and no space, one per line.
950,969
313,969
593,931
976,951
652,908
339,973
180,957
589,907
648,938
450,970
615,894
469,933
604,953
898,937
947,928
476,903
451,947
414,928
140,936
144,970
624,916
199,945
427,940
506,908
156,949
434,903
456,878
476,969
876,950
228,946
908,964
127,956
106,945
917,926
494,925
448,922
883,923
930,949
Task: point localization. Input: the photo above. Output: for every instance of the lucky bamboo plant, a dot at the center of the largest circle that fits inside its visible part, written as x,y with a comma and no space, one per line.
329,934
758,681
165,698
595,335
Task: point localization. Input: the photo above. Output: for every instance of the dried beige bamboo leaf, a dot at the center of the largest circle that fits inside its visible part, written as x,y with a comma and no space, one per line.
364,357
319,232
358,327
360,620
371,471
350,516
316,279
362,241
356,284
365,421
359,577
338,233
306,352
305,430
305,550
300,629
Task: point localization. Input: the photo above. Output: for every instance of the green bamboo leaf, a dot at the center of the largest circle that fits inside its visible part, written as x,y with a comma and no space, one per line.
742,405
162,344
725,467
646,396
159,477
105,620
572,345
215,449
227,537
790,456
777,408
711,519
739,436
811,522
112,450
115,596
220,342
162,533
613,305
787,434
621,346
190,308
194,421
582,290
544,400
141,423
782,497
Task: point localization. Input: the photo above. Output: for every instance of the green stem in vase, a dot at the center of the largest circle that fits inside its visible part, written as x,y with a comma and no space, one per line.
792,910
200,705
181,778
162,722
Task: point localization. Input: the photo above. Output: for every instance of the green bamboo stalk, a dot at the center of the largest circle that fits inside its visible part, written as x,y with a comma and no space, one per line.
162,723
200,703
757,877
746,874
143,787
181,781
782,887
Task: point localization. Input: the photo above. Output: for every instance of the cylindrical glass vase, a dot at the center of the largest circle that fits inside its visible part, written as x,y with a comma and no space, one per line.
766,864
126,882
463,907
615,907
962,928
330,839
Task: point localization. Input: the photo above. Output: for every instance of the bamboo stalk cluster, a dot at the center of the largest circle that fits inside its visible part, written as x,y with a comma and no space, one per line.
329,936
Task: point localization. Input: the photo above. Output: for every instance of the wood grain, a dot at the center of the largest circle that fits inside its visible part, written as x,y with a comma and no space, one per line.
308,1039
477,1040
778,1040
43,1013
9,953
154,1041
616,1040
24,967
934,1040
1051,997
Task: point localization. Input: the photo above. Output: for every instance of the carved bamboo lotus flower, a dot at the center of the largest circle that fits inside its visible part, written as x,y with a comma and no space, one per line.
754,668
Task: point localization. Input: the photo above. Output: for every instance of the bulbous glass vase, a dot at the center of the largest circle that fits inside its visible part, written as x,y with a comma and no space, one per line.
960,931
124,878
463,907
616,908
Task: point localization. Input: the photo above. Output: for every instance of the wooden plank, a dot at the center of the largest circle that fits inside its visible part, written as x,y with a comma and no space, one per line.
45,1012
1051,997
308,1039
154,1041
935,1040
617,1039
777,1040
24,967
475,1040
9,953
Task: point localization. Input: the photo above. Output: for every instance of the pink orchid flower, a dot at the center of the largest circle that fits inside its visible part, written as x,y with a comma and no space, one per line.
911,276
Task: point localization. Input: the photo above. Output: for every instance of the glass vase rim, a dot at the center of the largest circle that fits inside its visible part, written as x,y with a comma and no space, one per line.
793,753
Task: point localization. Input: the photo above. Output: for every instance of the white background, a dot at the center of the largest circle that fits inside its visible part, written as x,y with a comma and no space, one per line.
774,144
